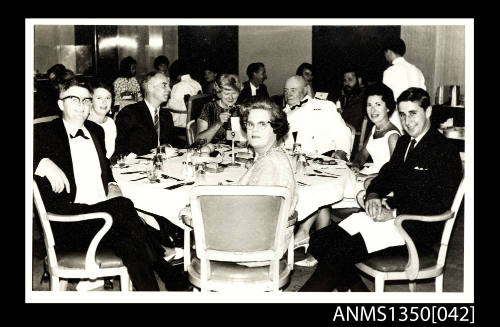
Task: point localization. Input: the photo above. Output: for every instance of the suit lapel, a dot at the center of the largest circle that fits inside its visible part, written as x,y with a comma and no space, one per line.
102,158
65,151
148,118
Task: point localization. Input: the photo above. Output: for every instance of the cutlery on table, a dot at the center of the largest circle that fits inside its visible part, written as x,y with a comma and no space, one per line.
139,178
133,172
324,172
174,178
321,175
303,184
178,185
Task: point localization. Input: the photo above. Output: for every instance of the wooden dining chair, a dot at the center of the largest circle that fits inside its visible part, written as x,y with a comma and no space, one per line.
194,105
90,264
239,224
191,131
413,264
353,136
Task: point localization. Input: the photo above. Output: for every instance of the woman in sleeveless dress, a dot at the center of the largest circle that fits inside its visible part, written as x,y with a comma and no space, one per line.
379,106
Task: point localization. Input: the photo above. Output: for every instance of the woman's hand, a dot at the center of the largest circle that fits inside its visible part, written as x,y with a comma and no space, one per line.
224,117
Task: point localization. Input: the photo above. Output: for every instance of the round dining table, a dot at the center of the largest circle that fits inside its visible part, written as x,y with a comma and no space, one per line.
319,185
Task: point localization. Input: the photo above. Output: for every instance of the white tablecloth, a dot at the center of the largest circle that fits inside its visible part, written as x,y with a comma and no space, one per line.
154,198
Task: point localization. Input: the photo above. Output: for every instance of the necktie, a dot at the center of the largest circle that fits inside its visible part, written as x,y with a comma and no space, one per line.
299,105
79,133
412,146
157,123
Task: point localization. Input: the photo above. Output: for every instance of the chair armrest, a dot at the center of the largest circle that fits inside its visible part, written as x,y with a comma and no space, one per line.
368,181
90,264
185,216
360,198
292,220
413,264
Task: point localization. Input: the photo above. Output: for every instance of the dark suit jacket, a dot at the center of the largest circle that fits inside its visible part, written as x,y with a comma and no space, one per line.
246,92
136,132
425,184
51,141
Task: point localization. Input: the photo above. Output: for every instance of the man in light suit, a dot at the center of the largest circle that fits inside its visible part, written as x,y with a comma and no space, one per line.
74,177
320,128
135,124
423,173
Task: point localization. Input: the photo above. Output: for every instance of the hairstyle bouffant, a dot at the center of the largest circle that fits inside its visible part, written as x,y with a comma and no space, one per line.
279,121
385,92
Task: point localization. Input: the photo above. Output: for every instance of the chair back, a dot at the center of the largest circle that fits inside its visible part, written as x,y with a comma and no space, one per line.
353,135
240,223
48,236
191,132
448,227
194,105
362,134
45,119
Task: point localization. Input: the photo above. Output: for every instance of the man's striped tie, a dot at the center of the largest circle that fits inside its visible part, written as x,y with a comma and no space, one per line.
157,123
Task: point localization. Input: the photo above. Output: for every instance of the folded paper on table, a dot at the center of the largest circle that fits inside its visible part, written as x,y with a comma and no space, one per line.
377,235
239,136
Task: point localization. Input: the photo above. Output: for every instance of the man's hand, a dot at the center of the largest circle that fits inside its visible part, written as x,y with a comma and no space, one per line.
113,191
373,207
58,180
339,154
385,214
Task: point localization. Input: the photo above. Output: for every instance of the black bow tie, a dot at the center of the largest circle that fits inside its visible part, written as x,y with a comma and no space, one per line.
299,105
79,133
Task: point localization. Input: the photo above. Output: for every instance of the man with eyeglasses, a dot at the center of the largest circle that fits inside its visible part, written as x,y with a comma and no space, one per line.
143,126
320,128
74,177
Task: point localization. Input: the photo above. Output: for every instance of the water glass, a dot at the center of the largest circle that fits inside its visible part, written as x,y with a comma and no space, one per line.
152,174
121,160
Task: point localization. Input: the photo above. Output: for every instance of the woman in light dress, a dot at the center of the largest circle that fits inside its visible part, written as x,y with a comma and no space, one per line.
102,99
383,137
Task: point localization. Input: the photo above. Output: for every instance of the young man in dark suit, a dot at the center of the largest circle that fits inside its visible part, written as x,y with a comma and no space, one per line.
256,73
423,173
143,126
74,177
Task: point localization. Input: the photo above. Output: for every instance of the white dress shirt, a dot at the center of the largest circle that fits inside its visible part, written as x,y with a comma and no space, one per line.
319,127
399,77
187,85
86,167
109,127
253,89
152,112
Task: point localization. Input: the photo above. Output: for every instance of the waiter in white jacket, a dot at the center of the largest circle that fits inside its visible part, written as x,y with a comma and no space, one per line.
320,128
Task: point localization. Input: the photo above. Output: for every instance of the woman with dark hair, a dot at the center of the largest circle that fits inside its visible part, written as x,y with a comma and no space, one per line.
126,87
306,70
210,76
102,100
215,115
379,106
266,125
160,64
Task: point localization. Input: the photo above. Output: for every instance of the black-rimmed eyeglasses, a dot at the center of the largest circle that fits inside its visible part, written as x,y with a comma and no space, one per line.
74,100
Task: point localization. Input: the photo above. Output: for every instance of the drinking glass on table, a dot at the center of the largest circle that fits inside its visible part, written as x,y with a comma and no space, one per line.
121,160
152,173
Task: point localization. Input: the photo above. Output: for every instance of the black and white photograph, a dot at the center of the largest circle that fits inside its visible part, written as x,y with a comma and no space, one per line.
249,160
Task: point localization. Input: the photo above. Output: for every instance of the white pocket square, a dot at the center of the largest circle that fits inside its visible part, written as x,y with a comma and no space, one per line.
419,168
